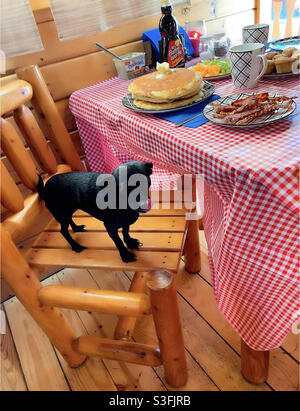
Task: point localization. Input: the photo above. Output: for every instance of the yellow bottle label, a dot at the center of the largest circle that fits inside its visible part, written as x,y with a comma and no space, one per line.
175,53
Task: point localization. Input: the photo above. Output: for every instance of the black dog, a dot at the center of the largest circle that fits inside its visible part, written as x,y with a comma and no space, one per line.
65,193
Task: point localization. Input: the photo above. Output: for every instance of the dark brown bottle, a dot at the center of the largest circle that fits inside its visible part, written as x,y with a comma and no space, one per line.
171,48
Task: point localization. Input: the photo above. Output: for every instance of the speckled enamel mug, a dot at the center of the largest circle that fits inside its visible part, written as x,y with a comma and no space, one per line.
246,64
256,33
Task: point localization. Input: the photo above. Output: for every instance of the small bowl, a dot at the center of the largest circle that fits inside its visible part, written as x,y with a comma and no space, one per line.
132,65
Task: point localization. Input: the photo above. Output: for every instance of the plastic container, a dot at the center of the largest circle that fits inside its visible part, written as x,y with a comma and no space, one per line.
132,65
206,47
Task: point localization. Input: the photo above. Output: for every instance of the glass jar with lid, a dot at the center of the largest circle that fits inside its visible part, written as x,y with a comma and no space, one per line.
206,47
221,45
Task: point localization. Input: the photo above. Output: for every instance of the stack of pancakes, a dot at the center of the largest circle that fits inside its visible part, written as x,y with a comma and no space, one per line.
166,88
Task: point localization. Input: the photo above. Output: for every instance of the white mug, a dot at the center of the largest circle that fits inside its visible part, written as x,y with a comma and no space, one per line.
245,62
256,33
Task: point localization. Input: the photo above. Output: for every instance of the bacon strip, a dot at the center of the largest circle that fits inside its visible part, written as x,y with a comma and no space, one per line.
243,111
233,118
261,96
247,104
268,109
226,108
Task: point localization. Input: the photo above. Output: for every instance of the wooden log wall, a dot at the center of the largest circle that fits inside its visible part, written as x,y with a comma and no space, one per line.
71,65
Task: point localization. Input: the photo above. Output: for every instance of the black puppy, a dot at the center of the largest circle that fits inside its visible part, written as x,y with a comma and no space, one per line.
65,193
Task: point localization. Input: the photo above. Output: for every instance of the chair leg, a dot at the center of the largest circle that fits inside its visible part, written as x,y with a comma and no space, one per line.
167,322
192,255
200,222
25,284
125,325
255,364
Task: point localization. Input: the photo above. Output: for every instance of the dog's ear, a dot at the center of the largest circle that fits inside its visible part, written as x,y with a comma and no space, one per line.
148,168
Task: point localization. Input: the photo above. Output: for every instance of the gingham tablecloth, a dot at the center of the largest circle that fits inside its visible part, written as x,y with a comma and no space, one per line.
251,197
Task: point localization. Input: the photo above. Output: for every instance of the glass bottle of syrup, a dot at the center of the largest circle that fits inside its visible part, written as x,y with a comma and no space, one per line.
171,48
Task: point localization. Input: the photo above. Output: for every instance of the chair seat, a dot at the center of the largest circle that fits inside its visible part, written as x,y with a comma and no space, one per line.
161,232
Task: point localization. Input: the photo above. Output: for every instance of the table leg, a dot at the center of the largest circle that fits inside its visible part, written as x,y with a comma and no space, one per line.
255,364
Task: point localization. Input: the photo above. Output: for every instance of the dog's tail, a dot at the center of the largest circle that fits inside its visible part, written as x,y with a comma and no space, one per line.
40,187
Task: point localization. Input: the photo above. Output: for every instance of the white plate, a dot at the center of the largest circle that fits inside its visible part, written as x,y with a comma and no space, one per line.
219,77
208,91
276,76
282,44
257,122
212,78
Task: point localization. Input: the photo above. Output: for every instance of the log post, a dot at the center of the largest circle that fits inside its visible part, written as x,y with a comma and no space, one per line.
200,222
24,282
23,224
18,156
11,196
167,322
35,139
255,364
125,325
13,94
48,114
192,256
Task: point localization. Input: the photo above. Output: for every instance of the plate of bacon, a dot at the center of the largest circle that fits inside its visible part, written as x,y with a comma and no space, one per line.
249,109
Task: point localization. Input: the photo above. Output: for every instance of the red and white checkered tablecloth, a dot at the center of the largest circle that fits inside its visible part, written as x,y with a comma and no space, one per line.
251,199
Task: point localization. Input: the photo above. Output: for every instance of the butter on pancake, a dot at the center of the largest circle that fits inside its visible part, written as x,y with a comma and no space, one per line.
166,85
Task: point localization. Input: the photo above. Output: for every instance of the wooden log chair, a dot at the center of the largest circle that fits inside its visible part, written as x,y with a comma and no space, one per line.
162,231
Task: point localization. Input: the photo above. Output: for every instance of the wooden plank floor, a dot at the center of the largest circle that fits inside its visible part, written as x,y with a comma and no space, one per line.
29,361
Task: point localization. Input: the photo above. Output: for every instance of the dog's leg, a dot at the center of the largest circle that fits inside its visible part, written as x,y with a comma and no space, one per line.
132,243
77,228
65,232
126,255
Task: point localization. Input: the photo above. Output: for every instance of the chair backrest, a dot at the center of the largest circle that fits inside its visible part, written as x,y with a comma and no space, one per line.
14,96
25,163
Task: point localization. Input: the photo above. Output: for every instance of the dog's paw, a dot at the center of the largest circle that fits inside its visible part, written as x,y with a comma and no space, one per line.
79,229
133,244
78,248
128,257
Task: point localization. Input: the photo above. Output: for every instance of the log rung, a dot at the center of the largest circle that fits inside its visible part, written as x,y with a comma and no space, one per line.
104,301
102,259
157,210
102,241
149,224
118,350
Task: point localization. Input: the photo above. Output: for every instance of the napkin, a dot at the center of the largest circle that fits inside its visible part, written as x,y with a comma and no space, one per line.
154,36
185,113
